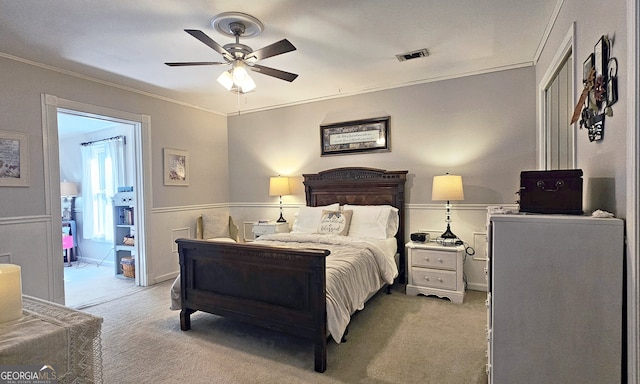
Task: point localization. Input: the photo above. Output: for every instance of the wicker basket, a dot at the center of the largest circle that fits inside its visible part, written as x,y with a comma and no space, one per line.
128,267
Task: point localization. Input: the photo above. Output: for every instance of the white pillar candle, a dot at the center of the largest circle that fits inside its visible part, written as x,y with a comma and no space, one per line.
10,293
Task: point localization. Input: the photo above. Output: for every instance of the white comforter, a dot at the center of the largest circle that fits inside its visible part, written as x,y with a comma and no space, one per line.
356,268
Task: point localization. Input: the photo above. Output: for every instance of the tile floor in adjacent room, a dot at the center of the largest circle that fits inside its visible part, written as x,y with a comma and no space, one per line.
87,284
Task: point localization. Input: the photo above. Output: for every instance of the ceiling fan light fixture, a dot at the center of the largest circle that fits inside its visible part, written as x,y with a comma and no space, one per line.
226,80
237,78
248,85
240,74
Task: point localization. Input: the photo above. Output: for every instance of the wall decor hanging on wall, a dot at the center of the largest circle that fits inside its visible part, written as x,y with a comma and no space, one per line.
355,136
600,79
14,159
176,167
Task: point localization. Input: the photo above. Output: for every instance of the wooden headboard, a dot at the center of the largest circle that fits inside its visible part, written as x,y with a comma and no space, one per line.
361,186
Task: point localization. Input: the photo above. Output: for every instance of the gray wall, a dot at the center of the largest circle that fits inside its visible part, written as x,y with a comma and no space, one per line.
28,215
481,127
604,162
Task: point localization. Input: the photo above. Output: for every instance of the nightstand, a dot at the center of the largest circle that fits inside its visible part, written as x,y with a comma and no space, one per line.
259,229
434,269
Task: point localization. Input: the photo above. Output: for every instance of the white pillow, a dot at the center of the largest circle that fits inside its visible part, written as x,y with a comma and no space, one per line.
221,240
376,221
308,218
335,222
215,225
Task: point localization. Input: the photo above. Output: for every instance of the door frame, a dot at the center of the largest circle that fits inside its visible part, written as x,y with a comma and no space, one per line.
633,192
142,143
566,48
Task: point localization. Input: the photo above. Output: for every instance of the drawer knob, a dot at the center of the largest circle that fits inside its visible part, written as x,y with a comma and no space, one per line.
440,259
440,279
426,278
426,259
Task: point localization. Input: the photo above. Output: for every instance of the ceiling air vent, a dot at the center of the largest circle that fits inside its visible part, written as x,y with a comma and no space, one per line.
413,55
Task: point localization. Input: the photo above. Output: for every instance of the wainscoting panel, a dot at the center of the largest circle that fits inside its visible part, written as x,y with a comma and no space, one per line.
26,242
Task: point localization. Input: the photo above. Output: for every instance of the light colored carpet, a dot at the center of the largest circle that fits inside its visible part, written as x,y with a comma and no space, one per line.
88,284
396,339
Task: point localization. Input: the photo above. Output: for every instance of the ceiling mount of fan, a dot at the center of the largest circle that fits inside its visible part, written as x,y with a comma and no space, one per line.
230,23
237,25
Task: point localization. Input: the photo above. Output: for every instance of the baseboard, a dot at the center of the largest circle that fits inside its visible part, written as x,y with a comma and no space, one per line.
477,287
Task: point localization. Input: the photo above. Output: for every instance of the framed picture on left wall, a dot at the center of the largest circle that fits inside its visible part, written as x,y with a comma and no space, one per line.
14,159
176,167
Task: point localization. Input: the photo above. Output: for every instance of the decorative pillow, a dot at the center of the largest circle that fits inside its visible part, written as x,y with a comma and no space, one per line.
335,222
215,225
308,218
376,221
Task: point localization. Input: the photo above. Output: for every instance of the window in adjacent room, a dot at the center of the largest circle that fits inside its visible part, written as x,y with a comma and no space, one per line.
103,172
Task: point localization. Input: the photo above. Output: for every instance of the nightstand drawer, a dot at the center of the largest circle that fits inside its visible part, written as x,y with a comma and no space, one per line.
433,278
269,228
434,259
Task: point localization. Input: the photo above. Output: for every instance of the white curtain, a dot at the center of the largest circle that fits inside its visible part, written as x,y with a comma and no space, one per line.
103,173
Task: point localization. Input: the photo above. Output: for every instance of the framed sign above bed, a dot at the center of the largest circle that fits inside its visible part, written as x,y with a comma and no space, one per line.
370,135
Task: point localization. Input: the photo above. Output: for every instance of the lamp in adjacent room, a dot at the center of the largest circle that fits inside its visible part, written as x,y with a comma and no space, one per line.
447,187
68,190
279,186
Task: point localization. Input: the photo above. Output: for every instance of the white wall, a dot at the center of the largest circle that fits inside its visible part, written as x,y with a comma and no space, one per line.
481,127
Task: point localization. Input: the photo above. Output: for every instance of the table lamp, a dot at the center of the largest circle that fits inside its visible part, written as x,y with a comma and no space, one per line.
68,190
447,187
278,186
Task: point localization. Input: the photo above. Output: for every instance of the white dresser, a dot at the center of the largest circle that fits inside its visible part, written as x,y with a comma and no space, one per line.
435,269
555,299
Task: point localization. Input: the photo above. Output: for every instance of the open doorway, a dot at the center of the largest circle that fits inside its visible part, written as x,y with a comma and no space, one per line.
139,143
96,163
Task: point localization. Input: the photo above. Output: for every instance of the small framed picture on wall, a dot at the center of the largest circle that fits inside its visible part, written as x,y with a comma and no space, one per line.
176,167
14,159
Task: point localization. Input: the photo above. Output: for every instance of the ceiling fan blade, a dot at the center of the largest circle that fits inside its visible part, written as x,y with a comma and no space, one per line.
189,63
209,42
287,76
282,46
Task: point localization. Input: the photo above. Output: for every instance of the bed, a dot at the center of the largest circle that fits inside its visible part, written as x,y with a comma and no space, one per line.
282,281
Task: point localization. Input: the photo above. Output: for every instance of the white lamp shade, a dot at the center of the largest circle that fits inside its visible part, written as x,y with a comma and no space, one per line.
226,80
237,79
68,189
279,186
447,187
240,74
10,293
248,84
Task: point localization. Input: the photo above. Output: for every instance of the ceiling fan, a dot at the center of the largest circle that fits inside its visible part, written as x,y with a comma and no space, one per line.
240,56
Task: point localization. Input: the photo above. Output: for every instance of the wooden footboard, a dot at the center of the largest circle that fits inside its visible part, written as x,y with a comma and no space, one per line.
273,287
